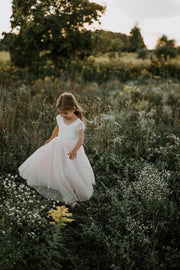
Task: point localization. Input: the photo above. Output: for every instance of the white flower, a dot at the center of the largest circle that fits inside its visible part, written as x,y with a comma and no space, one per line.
30,201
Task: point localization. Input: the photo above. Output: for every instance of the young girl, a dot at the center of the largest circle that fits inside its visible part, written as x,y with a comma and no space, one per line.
60,169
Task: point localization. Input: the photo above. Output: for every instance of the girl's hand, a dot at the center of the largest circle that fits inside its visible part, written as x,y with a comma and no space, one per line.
72,154
47,141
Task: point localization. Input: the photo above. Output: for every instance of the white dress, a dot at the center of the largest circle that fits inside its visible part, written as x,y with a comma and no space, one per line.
50,171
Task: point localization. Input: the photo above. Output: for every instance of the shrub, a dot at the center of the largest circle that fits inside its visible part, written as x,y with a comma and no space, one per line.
165,52
142,53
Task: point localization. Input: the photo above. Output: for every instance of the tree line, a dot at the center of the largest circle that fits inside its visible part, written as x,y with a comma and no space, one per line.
57,31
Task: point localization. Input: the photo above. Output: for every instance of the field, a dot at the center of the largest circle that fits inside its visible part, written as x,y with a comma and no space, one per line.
99,68
4,57
132,141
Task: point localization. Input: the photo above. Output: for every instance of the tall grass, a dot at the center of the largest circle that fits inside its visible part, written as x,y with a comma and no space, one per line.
132,140
102,68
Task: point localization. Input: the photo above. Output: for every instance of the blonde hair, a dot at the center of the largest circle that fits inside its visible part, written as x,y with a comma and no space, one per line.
67,101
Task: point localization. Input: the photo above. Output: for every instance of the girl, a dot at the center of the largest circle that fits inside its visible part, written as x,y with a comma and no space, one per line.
60,169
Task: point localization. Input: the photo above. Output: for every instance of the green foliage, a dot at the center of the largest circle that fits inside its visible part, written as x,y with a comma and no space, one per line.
136,40
132,141
25,229
164,41
165,48
166,52
107,41
6,42
178,50
52,30
142,53
101,68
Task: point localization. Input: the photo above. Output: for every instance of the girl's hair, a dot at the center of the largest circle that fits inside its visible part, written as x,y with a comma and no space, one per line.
67,101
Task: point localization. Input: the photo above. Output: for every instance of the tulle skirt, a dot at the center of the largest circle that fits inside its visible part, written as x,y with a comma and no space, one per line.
50,171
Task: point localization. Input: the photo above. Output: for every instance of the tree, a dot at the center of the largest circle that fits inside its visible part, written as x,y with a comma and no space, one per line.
107,41
178,50
52,29
136,41
6,42
164,41
165,48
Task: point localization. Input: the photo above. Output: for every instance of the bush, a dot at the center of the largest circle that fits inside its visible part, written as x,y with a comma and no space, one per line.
142,53
165,52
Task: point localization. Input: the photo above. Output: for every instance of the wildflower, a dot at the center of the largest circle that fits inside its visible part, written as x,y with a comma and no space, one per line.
60,214
138,90
30,201
127,87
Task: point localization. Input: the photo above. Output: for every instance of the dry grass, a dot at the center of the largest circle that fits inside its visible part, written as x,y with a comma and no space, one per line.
125,59
4,57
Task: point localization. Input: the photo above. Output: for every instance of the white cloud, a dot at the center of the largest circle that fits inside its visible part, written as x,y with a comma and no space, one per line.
155,28
154,17
143,9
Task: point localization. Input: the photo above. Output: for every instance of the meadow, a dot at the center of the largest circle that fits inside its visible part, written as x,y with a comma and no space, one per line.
96,68
132,141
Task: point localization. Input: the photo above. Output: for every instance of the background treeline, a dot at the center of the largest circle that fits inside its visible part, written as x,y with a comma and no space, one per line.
108,55
103,42
51,38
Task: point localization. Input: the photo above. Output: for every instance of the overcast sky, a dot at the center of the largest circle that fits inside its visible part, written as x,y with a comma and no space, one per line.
154,17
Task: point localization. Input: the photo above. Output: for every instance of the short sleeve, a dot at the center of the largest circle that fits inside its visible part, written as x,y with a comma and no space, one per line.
58,119
80,126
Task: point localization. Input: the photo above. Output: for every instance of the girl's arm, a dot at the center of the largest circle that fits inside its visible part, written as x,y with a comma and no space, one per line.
73,153
54,134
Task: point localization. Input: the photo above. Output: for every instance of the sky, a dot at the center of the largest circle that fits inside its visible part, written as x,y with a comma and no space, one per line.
154,17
